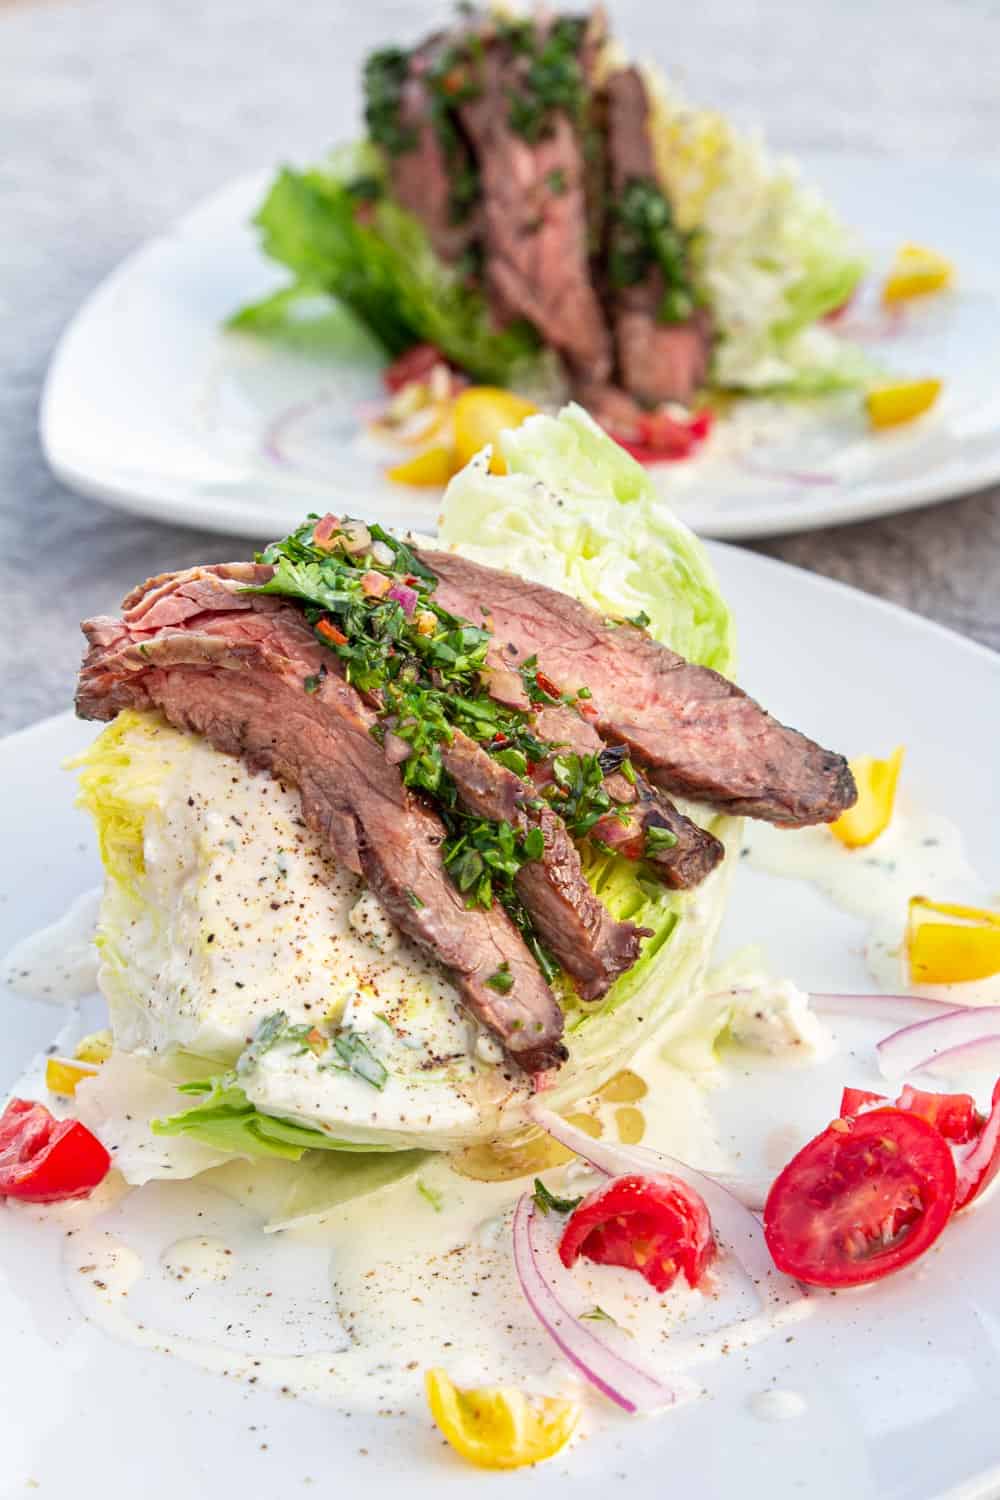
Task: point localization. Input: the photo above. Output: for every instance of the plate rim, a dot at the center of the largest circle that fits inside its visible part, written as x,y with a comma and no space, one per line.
165,500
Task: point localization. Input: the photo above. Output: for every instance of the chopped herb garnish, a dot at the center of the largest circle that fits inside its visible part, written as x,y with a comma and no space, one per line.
641,620
658,840
414,899
584,692
548,1202
597,1314
311,684
502,980
556,181
355,1056
645,238
433,1197
385,75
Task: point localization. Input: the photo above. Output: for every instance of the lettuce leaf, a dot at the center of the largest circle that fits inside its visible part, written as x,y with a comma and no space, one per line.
381,266
771,256
226,1120
594,527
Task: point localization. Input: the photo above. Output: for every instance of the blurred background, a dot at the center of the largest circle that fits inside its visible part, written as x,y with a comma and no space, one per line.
117,115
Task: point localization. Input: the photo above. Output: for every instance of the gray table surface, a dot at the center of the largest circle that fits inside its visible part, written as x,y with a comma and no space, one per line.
116,115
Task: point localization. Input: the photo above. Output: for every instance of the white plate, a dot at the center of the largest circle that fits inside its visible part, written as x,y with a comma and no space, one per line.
150,407
902,1382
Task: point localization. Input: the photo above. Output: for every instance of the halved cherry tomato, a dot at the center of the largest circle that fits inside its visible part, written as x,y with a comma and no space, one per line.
657,1226
955,1115
660,437
45,1160
974,1138
413,364
853,1101
864,1198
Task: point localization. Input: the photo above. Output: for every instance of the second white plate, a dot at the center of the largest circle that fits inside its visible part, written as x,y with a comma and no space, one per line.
150,406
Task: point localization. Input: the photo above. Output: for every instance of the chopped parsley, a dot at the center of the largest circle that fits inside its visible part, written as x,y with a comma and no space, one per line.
502,980
355,1056
433,1197
548,1202
577,792
640,621
385,73
645,238
552,80
311,684
556,181
597,1314
658,840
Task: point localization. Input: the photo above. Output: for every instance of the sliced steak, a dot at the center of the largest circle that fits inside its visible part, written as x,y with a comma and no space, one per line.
641,806
575,926
423,178
535,219
696,733
657,361
234,672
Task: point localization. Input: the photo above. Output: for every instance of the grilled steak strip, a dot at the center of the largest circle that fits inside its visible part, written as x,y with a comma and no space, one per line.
230,666
535,218
657,361
576,927
696,733
696,852
422,177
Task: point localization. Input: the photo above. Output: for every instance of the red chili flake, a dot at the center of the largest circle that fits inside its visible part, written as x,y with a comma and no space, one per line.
546,684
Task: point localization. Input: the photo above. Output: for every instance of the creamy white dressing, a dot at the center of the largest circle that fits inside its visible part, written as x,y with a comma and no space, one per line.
920,854
776,1405
351,1311
58,963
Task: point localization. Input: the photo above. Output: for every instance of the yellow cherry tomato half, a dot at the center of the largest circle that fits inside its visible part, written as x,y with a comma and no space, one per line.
964,947
62,1076
903,401
499,1427
871,814
434,466
480,414
916,272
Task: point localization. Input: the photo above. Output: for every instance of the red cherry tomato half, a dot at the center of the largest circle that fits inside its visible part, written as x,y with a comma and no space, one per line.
413,364
660,437
955,1115
853,1101
44,1160
864,1198
657,1226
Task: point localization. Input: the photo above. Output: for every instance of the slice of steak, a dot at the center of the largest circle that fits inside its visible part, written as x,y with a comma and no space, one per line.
535,217
234,671
696,733
657,361
424,178
696,852
573,924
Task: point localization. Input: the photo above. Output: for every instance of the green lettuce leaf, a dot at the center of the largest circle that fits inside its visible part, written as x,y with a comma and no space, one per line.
228,1121
381,266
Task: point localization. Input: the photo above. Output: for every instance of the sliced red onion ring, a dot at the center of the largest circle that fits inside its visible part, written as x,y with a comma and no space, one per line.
805,477
625,1383
891,1007
732,1220
966,1035
973,1160
405,597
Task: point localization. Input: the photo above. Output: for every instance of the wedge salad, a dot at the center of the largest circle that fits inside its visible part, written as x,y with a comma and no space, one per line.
531,215
414,856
